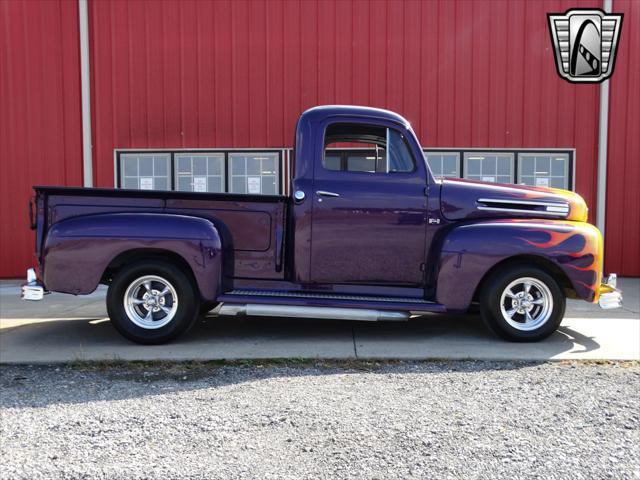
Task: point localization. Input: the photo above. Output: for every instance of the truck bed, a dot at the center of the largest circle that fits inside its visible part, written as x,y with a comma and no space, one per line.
252,226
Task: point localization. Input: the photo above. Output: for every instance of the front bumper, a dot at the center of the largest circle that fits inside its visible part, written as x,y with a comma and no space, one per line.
609,296
33,289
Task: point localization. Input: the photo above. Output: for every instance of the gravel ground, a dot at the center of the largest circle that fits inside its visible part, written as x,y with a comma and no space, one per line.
322,420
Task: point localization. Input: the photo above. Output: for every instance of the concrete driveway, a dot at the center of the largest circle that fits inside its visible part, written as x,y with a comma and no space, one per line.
64,328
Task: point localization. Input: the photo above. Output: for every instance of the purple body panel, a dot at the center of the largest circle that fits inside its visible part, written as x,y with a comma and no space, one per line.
78,250
403,235
469,251
459,199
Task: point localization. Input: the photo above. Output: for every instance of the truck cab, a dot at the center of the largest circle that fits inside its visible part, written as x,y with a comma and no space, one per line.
367,234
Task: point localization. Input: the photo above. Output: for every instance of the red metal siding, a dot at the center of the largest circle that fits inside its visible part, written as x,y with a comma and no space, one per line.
40,120
238,74
622,244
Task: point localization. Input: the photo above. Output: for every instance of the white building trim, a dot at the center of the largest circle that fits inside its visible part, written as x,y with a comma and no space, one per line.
85,79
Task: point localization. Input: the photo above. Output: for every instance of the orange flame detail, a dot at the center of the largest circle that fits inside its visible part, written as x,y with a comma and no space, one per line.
592,246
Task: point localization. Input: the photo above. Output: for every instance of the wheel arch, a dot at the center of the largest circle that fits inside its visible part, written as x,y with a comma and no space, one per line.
529,259
141,254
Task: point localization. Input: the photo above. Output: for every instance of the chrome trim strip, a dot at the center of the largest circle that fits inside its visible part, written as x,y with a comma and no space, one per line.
551,208
260,310
538,203
518,210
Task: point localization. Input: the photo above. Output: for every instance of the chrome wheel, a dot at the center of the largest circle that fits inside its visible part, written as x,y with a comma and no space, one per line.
526,304
150,302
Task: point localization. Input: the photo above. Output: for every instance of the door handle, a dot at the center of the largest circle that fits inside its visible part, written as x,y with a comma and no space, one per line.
324,193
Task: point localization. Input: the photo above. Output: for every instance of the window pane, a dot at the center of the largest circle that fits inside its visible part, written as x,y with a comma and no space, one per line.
504,166
184,164
146,166
239,185
269,166
558,183
268,185
199,165
130,166
527,165
214,184
473,166
450,165
130,183
160,166
331,162
558,165
489,165
215,165
160,184
253,166
238,165
527,180
543,165
361,163
399,158
145,170
435,163
184,183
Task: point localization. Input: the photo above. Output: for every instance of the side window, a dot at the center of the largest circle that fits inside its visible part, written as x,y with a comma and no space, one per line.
399,158
366,149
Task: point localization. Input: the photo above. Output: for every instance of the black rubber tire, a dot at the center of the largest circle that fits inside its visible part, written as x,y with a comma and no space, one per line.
188,305
490,303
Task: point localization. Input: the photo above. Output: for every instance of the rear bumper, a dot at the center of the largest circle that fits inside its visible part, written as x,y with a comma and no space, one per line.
33,289
609,296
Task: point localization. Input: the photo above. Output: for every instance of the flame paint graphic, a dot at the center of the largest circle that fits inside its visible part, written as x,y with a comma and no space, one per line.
578,211
577,247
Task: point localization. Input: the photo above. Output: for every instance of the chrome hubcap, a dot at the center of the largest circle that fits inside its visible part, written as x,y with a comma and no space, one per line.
151,302
526,304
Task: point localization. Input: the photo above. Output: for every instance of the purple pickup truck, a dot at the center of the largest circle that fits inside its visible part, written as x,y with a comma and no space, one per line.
372,239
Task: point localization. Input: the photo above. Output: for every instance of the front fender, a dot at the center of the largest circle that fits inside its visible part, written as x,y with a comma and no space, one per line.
469,251
78,250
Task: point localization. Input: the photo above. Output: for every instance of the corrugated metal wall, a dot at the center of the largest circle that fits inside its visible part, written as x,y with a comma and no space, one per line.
238,74
622,230
40,135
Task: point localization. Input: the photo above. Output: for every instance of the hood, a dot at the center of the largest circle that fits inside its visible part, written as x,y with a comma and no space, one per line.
465,199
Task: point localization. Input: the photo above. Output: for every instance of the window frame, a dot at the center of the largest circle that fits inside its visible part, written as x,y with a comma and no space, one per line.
282,161
571,151
344,150
568,169
467,155
441,153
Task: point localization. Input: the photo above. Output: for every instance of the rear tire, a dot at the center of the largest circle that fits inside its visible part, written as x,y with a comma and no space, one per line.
152,302
522,303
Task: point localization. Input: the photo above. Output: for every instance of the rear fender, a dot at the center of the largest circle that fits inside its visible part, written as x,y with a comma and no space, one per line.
470,251
77,251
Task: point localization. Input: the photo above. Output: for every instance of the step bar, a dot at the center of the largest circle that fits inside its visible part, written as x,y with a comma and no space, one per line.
335,313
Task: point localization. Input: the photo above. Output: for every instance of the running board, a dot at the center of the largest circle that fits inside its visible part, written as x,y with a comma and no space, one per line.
335,313
330,300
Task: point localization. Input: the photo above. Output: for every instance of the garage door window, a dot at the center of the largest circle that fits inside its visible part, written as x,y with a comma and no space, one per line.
200,172
254,173
544,169
489,166
145,171
444,164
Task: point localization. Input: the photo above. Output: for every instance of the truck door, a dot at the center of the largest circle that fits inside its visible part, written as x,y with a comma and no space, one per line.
369,208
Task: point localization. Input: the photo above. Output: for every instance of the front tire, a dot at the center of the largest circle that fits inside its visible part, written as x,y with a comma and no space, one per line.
152,302
522,303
